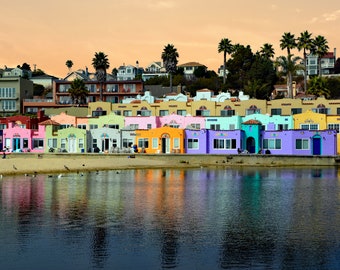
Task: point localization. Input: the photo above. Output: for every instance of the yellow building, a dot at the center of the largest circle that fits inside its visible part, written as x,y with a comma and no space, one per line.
318,121
160,140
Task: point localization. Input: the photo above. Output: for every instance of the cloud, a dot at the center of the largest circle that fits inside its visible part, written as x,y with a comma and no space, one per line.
333,16
154,4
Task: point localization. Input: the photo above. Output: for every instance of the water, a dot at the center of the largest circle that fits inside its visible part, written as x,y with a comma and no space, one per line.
183,219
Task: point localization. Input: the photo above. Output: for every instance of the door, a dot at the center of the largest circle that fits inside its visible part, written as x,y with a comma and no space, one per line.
16,144
105,144
166,145
251,145
72,145
316,146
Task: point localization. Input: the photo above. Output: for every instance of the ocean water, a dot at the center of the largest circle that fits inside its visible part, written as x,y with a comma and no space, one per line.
234,218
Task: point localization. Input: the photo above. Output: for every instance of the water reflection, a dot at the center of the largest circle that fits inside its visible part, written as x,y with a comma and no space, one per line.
182,219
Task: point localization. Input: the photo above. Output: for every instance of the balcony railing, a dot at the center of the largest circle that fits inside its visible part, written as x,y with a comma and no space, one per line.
38,100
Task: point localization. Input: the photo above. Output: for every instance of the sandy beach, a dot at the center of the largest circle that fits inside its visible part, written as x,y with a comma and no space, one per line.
54,163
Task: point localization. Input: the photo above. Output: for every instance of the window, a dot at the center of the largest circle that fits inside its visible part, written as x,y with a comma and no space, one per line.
52,143
149,126
301,144
143,112
296,110
227,113
94,143
232,127
176,143
282,126
252,110
192,143
93,126
224,144
309,126
134,126
271,144
98,113
202,113
25,143
64,126
127,113
114,142
3,126
38,143
276,111
218,143
182,112
81,143
143,143
113,126
63,143
117,112
163,112
215,127
230,143
196,126
334,126
81,126
321,108
127,143
154,143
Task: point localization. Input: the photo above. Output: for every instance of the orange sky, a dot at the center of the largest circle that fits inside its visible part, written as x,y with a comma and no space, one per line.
48,33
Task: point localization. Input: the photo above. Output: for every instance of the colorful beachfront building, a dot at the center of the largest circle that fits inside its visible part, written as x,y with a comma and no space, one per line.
300,142
160,140
206,141
20,139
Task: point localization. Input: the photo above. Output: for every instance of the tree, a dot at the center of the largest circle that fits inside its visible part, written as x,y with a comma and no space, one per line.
69,65
288,42
261,77
226,47
238,66
100,63
267,51
114,73
320,48
289,66
305,43
169,57
318,86
78,91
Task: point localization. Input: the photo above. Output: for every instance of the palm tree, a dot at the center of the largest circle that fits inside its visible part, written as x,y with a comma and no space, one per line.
267,51
320,48
100,63
318,87
289,66
288,42
305,43
69,64
169,57
78,91
226,47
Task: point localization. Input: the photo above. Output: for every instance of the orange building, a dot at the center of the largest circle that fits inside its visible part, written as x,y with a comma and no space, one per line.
160,140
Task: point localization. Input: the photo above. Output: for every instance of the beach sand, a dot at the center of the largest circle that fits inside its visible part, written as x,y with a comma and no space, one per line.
27,163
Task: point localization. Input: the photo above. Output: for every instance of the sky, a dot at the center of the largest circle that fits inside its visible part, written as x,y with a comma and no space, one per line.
45,34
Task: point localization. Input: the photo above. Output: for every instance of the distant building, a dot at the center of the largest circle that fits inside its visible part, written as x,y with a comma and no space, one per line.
13,90
327,64
189,68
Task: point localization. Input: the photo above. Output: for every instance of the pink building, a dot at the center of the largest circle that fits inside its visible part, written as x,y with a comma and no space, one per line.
19,139
180,121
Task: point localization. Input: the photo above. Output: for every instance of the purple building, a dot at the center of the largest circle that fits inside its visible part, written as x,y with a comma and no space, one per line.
300,142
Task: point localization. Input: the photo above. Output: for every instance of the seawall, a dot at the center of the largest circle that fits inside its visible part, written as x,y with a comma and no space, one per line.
31,163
